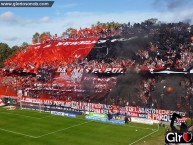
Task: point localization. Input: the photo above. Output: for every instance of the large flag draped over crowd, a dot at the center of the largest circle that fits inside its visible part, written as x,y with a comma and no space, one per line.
54,53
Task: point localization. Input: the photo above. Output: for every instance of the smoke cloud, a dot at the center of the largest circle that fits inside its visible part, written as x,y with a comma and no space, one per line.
169,100
171,5
179,10
127,86
88,85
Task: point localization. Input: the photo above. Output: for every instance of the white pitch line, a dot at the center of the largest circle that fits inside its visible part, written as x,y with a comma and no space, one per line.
20,115
25,115
144,136
139,127
45,117
17,133
63,129
124,125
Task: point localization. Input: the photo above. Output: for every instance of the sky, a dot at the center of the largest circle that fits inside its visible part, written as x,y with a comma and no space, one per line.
17,25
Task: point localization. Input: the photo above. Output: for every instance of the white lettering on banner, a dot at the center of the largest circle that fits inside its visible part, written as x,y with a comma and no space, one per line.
141,110
181,113
147,116
71,43
36,101
61,70
132,114
68,103
85,42
74,105
59,103
122,111
147,110
97,110
104,111
48,102
97,106
114,70
132,109
75,43
86,107
165,118
162,111
156,116
107,70
142,115
161,117
79,43
65,43
153,110
77,70
95,70
104,106
68,43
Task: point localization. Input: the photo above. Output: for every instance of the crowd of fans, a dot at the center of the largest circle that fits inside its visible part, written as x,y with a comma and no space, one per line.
95,31
155,58
170,46
148,96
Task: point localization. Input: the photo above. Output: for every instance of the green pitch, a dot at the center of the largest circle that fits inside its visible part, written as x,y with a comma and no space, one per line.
25,127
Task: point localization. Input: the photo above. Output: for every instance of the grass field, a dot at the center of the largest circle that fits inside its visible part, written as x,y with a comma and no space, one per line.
25,127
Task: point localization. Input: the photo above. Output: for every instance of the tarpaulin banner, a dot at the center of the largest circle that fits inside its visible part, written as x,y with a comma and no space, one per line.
53,53
100,110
